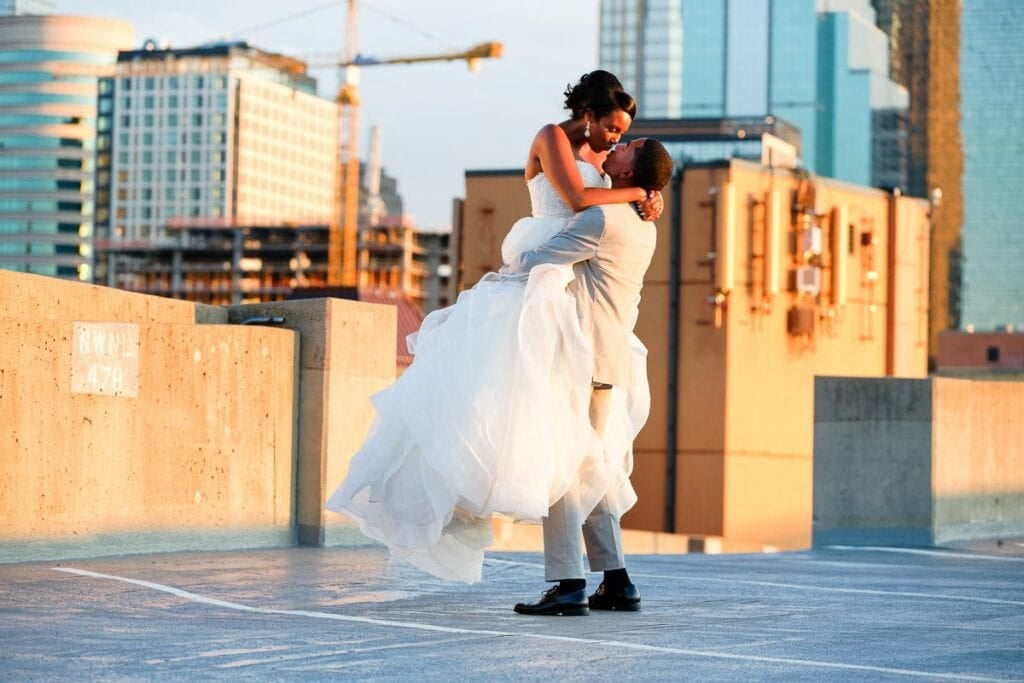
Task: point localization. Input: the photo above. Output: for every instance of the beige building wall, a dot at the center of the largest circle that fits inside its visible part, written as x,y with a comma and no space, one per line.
745,384
494,201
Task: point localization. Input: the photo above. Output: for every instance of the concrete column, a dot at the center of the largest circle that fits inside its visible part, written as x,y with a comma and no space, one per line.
346,354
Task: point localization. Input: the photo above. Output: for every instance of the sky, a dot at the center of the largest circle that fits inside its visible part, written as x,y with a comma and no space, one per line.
438,119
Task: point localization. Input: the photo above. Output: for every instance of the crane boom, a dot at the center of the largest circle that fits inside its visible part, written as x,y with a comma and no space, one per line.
343,232
491,50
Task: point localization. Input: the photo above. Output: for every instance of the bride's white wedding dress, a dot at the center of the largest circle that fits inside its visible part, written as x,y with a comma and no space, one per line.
492,417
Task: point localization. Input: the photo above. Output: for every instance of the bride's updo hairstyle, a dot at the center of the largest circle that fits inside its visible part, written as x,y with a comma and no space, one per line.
600,93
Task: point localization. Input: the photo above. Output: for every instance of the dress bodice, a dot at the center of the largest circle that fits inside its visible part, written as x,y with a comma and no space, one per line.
544,198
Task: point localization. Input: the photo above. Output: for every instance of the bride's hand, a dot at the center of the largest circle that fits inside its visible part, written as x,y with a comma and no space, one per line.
651,208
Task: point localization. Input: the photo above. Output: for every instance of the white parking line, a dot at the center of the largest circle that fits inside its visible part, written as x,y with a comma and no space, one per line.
801,586
923,551
509,634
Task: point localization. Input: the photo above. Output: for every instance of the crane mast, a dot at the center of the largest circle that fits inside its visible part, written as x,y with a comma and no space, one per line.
344,227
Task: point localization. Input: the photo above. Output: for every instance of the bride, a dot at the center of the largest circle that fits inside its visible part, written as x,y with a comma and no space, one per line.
492,415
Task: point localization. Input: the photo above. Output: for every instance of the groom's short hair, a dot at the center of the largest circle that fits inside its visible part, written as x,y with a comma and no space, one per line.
652,166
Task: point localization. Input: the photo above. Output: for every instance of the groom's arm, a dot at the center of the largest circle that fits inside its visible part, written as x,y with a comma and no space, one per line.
578,241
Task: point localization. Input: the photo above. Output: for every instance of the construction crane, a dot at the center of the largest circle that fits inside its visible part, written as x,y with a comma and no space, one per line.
343,234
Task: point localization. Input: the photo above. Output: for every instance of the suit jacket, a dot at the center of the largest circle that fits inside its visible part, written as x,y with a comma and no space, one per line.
610,249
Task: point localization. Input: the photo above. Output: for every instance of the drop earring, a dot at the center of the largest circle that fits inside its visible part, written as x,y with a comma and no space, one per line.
586,131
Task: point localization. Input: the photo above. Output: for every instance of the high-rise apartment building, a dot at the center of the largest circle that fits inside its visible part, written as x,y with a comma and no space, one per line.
924,40
992,118
49,67
223,134
819,64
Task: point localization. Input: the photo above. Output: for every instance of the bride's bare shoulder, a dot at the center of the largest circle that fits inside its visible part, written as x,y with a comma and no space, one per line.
550,133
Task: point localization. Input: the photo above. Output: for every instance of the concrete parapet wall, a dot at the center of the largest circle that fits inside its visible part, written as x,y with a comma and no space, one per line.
47,298
125,428
346,355
910,461
138,436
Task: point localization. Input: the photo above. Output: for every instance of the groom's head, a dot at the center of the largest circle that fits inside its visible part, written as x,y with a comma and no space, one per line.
644,162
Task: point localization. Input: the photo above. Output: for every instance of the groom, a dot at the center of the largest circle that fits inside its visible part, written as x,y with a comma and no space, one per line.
610,248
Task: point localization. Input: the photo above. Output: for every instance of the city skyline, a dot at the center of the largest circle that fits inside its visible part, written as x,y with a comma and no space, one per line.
438,119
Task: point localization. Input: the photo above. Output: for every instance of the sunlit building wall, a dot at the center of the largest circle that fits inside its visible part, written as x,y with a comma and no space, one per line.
761,280
49,67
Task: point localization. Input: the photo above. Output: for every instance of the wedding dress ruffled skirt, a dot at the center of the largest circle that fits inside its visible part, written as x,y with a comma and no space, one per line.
492,417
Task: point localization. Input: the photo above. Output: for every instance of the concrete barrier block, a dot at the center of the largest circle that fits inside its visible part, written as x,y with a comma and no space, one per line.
917,462
168,435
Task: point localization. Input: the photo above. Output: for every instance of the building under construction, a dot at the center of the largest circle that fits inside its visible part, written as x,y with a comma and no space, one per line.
206,263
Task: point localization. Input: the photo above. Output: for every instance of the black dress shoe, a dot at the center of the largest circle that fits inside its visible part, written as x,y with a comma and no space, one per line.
625,600
553,603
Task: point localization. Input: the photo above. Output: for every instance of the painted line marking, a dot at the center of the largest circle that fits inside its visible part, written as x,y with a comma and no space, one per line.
535,636
800,586
334,653
219,653
922,551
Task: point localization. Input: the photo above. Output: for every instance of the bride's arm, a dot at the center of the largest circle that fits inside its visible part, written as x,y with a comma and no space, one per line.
552,149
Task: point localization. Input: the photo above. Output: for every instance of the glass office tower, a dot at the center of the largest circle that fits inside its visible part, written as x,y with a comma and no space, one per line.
821,65
49,67
992,111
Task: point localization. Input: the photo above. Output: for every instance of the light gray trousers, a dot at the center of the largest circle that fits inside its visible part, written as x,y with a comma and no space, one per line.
563,540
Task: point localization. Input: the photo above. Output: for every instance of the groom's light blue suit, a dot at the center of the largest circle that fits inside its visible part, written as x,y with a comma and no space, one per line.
610,249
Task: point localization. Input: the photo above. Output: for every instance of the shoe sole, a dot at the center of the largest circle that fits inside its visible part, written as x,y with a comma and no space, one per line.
562,612
618,608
